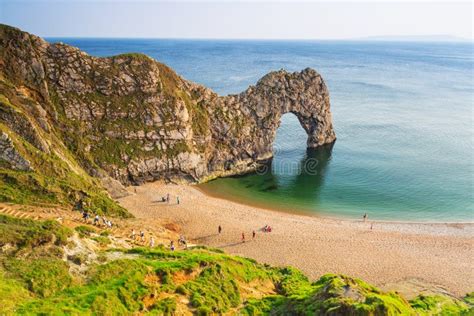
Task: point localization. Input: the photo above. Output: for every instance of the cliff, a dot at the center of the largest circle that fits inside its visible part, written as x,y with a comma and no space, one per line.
133,119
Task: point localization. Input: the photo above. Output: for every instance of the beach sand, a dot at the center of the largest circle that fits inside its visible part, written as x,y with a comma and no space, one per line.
407,257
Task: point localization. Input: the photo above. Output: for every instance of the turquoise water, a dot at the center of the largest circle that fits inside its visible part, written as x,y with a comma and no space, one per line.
403,114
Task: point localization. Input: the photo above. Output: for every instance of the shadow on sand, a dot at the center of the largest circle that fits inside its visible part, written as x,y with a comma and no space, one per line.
205,237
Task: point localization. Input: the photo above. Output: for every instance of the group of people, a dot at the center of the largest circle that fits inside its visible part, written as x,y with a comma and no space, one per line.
253,235
181,242
141,237
266,228
105,222
167,199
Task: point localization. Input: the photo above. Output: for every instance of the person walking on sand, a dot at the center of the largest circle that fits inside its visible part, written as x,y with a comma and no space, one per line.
142,235
172,246
152,242
219,229
177,200
168,198
243,237
253,235
133,234
365,217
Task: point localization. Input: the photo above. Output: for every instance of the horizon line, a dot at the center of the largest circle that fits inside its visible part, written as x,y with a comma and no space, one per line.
376,38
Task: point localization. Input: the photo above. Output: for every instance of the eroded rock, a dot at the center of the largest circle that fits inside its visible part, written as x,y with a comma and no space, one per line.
139,121
11,156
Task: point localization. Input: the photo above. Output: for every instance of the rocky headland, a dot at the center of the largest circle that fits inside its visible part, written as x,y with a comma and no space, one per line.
138,121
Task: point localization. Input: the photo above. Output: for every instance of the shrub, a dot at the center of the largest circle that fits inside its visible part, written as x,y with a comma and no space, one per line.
165,306
84,230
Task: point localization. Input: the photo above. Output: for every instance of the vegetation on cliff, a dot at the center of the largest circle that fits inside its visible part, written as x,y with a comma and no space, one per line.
134,119
36,167
35,278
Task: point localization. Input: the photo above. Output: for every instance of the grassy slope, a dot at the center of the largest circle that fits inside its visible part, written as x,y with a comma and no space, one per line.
35,280
56,177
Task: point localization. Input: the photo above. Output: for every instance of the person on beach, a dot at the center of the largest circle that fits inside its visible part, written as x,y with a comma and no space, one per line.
243,237
365,217
182,241
168,198
172,246
152,242
85,216
371,226
177,200
142,235
133,234
219,229
253,235
96,219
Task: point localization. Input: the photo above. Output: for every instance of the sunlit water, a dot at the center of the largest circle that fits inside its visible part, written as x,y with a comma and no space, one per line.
402,113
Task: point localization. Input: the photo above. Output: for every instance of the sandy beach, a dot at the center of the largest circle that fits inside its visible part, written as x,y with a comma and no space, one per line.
406,257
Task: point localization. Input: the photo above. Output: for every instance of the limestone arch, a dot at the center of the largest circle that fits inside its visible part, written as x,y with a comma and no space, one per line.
303,94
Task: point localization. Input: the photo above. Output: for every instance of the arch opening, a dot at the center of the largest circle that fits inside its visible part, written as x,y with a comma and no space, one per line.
290,138
294,165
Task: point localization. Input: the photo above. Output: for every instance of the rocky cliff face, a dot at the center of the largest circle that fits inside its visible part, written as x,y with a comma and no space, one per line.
137,120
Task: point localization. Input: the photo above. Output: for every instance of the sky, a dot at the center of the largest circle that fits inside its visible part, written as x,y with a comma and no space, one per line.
238,20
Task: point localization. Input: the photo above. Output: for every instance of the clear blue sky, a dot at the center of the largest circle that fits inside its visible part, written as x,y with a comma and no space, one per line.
231,19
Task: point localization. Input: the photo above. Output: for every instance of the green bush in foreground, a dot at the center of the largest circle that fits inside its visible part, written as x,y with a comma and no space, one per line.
158,281
26,233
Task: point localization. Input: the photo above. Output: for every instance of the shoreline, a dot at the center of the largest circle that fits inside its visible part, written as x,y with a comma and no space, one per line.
430,257
320,216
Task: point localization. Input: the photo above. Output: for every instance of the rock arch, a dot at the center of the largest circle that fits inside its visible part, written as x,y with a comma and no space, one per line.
302,93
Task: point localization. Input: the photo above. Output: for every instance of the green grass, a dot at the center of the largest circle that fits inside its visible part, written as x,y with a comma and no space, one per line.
330,295
441,305
35,280
102,240
26,233
41,276
84,230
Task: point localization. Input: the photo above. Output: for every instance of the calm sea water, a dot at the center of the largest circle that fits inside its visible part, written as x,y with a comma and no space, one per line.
403,114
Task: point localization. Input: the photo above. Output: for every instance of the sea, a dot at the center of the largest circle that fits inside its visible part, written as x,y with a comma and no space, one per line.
402,112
